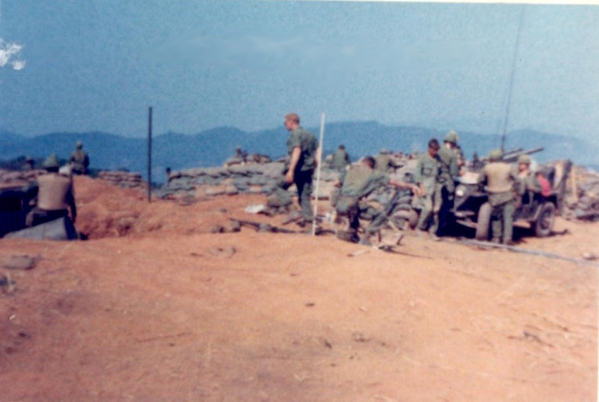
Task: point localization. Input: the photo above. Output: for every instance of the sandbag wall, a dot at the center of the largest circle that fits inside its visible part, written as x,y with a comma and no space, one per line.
122,179
582,202
232,180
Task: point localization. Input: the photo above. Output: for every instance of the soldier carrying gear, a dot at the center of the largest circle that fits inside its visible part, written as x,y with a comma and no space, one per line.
55,195
79,159
356,184
500,180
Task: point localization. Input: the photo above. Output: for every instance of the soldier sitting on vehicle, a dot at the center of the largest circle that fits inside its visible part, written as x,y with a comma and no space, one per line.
55,195
356,184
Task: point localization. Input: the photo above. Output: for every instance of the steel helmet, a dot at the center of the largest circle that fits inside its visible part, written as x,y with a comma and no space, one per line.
524,160
51,162
452,137
495,155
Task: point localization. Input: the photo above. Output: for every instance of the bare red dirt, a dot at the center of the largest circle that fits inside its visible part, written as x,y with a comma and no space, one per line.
154,308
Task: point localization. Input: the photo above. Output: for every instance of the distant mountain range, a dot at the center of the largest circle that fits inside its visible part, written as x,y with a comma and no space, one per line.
213,147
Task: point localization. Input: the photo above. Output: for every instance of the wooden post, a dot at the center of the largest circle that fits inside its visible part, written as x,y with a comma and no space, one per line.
150,154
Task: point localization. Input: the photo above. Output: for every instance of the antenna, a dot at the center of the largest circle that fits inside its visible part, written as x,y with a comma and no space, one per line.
511,82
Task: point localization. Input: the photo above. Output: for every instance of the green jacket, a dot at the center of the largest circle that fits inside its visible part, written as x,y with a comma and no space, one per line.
308,144
448,168
360,181
340,159
427,170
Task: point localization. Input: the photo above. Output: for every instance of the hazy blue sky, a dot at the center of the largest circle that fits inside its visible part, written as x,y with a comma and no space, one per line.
96,65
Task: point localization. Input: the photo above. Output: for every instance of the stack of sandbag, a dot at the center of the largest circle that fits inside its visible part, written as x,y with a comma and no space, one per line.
582,202
9,177
122,179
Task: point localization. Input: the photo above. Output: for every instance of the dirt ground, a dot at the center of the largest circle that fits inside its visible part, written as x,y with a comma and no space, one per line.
155,308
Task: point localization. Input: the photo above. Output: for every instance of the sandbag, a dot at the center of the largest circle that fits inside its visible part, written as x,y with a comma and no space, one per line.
58,229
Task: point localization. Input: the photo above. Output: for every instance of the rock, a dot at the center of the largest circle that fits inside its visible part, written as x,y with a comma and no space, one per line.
21,262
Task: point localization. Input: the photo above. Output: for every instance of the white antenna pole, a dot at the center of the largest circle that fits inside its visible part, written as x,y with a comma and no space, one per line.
319,160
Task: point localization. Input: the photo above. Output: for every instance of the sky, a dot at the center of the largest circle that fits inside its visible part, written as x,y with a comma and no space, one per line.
96,65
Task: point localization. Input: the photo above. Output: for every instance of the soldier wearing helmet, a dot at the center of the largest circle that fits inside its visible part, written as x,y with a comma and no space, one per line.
449,170
501,181
79,160
55,196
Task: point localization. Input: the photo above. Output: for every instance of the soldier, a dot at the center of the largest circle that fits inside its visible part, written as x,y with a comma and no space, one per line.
29,164
341,158
448,158
500,181
240,154
79,159
356,184
55,195
425,176
302,147
383,162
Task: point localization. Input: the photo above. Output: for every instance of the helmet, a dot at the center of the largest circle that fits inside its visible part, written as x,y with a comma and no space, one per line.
79,145
524,160
495,155
384,151
451,136
51,162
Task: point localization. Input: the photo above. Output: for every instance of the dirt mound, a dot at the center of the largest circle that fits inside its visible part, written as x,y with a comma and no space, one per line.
105,210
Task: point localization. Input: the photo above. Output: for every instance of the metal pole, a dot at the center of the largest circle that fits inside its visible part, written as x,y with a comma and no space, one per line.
319,160
150,154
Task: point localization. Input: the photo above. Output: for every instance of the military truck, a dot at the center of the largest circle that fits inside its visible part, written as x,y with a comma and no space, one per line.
471,207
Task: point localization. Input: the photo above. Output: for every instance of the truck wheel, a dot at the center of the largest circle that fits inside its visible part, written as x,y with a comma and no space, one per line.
483,222
413,218
544,223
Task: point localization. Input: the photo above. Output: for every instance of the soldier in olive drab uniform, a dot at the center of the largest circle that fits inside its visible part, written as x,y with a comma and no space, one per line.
356,184
340,158
501,181
448,158
425,176
55,195
529,184
383,162
79,159
302,147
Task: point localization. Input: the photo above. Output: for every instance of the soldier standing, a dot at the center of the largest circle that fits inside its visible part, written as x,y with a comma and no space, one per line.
382,162
425,176
500,181
302,147
448,158
55,195
341,158
79,159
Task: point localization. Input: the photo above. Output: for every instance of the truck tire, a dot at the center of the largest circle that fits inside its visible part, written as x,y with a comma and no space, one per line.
483,222
544,223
